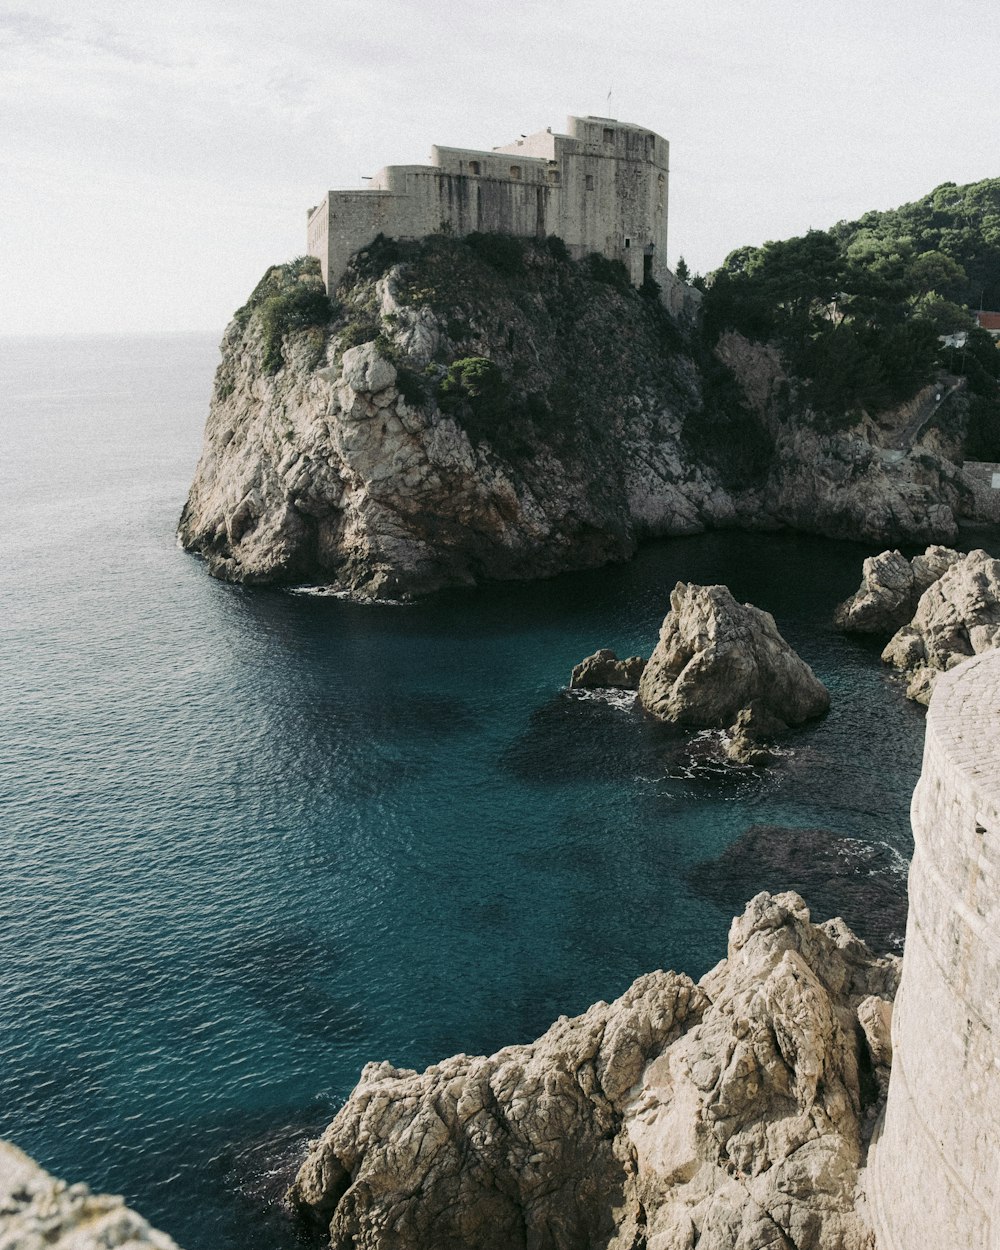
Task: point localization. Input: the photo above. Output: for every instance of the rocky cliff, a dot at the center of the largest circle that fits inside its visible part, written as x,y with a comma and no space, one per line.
38,1212
488,408
731,1113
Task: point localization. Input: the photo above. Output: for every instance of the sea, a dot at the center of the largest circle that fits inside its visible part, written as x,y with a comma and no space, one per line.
253,839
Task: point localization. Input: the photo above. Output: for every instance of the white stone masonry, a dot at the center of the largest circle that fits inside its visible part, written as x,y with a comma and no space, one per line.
934,1171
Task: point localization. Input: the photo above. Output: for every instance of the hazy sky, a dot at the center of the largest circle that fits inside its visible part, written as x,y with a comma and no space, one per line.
156,158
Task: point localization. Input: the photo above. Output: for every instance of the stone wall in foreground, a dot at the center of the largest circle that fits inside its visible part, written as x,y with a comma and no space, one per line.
934,1171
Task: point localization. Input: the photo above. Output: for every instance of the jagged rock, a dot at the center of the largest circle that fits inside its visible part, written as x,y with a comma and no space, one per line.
958,616
754,725
346,468
847,483
38,1212
604,670
890,589
716,658
734,1113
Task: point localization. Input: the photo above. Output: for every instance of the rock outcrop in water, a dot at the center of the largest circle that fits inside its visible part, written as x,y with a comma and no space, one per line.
722,664
487,408
890,590
732,1113
958,616
38,1212
604,671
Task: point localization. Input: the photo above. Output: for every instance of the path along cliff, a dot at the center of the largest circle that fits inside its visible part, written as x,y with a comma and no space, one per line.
488,408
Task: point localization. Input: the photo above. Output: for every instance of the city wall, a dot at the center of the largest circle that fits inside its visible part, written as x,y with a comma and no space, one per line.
934,1170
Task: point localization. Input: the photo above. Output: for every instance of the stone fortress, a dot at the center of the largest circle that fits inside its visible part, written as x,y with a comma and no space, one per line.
601,187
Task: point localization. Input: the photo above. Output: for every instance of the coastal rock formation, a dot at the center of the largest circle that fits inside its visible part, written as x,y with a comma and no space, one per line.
603,670
38,1212
864,482
719,663
461,440
735,1112
488,408
890,590
958,616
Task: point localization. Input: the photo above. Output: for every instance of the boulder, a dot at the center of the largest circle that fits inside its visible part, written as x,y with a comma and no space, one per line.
716,657
958,616
890,589
603,670
366,370
734,1112
37,1211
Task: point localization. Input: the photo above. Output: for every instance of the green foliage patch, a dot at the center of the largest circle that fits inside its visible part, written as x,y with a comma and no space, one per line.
288,299
858,310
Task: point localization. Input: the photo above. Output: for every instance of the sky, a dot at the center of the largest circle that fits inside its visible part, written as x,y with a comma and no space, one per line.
156,158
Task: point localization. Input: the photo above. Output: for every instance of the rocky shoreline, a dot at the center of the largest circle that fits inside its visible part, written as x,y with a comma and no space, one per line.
732,1112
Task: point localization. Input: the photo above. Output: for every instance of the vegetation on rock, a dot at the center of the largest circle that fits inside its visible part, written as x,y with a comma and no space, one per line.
858,310
287,299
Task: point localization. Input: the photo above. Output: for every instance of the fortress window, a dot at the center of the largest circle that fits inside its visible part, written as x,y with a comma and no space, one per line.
590,182
609,135
515,172
553,175
628,241
474,167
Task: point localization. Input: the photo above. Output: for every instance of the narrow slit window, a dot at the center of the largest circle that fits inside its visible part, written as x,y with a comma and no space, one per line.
609,135
628,242
515,172
590,182
475,167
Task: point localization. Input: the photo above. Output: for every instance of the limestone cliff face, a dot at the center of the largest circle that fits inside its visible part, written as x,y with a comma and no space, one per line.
492,426
888,480
732,1113
490,409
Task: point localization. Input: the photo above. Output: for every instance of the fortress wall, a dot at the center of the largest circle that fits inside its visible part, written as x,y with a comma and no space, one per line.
602,188
934,1170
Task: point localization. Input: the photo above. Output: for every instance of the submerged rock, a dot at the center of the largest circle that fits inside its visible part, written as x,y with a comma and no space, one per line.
604,671
38,1212
719,663
958,616
735,1112
890,589
835,874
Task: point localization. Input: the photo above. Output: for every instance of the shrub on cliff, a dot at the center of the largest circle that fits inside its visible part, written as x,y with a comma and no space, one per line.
474,383
287,299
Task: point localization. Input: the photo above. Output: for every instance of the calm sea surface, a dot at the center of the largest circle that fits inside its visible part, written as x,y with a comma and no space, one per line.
251,840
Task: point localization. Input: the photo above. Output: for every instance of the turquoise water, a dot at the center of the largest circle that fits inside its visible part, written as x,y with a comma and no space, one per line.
252,840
